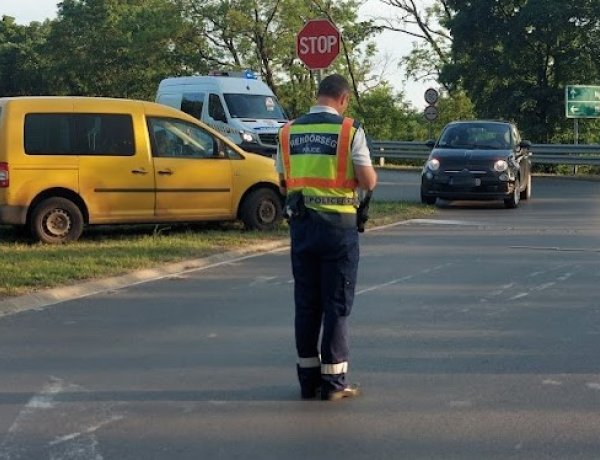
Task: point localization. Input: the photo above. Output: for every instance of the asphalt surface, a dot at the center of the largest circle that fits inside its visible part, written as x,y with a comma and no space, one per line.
474,335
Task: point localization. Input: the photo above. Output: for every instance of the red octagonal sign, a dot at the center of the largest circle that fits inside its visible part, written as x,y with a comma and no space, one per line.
318,44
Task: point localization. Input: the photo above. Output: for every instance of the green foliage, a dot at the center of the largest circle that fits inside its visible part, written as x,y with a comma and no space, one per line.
123,48
113,47
23,64
453,107
515,58
261,35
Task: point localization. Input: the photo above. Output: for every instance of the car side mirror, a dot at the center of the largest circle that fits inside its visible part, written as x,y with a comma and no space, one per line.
525,145
430,143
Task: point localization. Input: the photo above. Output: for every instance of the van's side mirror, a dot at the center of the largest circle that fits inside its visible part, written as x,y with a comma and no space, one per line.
430,143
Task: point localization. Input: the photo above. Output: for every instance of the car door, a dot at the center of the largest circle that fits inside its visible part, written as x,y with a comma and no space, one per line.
193,177
115,169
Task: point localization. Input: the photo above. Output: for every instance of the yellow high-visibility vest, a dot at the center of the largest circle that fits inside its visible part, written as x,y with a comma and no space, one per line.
316,150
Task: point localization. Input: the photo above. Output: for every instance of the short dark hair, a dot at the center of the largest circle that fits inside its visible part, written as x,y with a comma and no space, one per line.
334,86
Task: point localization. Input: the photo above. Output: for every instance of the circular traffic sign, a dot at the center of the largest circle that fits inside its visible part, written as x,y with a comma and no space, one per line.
430,113
318,44
431,96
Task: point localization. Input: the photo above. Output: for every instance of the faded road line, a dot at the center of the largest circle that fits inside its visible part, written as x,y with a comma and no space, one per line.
402,279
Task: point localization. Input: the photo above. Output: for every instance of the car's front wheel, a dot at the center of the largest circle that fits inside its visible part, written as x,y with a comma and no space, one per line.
261,210
513,201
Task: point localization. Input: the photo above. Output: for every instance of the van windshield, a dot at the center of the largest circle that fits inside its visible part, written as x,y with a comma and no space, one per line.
254,106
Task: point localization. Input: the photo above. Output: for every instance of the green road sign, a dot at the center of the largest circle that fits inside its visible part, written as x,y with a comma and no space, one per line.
582,101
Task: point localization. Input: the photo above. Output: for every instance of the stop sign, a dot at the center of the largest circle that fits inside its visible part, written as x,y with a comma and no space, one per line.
318,44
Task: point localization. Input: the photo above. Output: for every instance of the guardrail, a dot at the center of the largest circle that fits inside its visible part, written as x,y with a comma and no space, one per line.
562,154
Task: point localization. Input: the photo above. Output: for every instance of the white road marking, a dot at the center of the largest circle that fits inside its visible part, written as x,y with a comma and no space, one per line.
551,382
500,291
401,280
261,280
379,286
565,277
42,400
89,430
446,222
593,385
541,287
519,296
554,248
460,404
44,414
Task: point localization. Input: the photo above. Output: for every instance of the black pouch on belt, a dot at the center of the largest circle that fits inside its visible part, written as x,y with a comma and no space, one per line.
294,205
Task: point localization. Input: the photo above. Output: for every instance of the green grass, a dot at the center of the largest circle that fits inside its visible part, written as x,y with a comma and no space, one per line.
113,250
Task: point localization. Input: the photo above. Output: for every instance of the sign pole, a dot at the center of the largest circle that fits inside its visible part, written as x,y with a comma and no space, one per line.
576,131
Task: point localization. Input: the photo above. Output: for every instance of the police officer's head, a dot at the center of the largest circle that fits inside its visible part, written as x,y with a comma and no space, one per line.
334,91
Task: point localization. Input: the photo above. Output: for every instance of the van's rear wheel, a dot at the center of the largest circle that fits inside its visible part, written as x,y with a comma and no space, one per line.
56,221
261,210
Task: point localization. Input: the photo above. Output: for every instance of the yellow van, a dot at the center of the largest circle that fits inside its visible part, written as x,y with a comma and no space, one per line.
67,162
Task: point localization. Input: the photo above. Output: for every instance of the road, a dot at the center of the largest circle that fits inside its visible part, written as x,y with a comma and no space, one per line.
475,335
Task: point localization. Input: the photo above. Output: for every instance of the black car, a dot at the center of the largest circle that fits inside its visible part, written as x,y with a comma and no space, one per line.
478,160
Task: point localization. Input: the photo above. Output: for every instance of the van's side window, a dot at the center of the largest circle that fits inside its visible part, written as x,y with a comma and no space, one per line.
179,139
215,108
48,134
79,134
193,103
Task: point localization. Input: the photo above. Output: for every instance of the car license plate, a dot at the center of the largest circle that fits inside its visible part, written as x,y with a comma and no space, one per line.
462,181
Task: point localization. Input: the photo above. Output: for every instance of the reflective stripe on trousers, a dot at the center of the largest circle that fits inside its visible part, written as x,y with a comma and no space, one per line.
334,369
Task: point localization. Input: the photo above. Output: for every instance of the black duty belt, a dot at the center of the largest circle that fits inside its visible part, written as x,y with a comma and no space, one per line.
335,200
336,219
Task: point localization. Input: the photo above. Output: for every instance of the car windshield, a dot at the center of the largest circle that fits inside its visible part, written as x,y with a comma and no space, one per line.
254,106
491,136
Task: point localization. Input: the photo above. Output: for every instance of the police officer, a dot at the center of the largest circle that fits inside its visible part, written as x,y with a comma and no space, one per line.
322,159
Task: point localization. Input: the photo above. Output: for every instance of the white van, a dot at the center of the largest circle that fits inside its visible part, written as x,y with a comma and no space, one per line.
236,104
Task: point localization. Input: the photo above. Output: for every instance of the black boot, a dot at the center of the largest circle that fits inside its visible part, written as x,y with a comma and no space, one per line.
310,381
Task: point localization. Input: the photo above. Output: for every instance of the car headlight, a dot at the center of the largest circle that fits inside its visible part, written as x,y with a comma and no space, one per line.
433,164
248,137
500,166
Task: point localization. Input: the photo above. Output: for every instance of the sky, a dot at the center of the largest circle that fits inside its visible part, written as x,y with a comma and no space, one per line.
391,45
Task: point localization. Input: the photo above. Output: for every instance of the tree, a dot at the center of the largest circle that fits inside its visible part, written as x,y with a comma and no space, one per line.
23,65
260,35
119,48
426,24
385,116
514,58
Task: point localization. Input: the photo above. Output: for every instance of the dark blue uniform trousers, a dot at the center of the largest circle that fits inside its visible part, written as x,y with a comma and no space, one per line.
324,263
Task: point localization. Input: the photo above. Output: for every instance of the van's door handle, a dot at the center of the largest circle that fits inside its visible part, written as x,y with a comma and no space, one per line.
165,172
139,171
